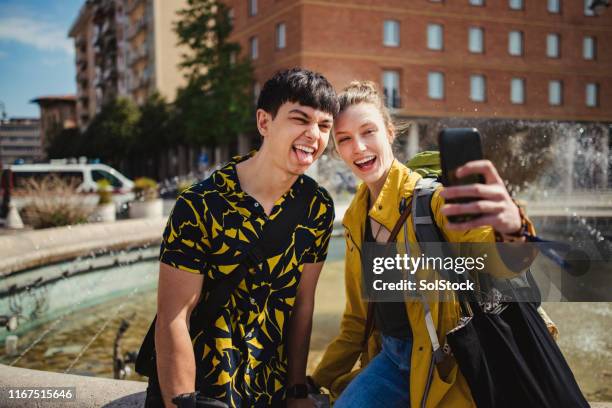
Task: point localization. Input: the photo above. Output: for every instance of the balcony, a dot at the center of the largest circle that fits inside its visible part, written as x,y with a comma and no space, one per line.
81,60
133,30
137,55
132,5
110,73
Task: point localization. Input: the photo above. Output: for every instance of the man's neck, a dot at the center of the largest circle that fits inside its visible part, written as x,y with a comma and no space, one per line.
262,180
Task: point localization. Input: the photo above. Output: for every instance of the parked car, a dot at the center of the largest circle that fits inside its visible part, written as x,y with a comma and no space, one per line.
86,174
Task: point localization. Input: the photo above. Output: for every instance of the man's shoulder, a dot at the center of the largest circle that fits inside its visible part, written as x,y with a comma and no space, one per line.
320,194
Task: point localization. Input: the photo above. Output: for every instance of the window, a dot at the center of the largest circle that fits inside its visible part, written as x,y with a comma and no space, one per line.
254,48
391,90
552,45
587,9
476,40
435,85
231,16
554,6
588,48
256,92
232,57
478,88
98,175
435,37
476,2
281,36
252,7
555,93
515,43
515,4
391,33
592,95
517,91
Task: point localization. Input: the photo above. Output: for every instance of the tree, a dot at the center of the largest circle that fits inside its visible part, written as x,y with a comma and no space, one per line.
111,134
153,136
217,103
64,142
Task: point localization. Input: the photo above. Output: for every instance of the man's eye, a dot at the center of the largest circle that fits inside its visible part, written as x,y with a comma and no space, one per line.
300,120
325,128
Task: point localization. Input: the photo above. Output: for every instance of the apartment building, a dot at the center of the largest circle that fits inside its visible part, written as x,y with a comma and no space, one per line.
99,56
125,49
527,59
152,52
20,140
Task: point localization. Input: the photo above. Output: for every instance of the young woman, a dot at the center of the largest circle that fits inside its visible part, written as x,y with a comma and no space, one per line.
399,375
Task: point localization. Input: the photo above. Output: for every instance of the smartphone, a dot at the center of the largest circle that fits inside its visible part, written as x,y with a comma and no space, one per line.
457,147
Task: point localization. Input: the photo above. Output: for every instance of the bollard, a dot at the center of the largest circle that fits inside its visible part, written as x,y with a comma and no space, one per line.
11,345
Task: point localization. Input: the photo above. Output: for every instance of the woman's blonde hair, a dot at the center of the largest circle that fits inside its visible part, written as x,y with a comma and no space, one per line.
364,92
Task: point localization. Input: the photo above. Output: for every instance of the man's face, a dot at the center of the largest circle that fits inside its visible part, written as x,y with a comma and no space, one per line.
296,137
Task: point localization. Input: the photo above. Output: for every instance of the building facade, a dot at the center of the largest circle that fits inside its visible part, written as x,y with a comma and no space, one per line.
125,49
20,140
526,59
452,63
99,56
153,55
56,113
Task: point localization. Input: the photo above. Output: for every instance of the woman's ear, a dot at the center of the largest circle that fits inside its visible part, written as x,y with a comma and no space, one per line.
263,122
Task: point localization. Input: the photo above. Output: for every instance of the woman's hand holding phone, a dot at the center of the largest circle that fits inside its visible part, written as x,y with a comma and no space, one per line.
492,200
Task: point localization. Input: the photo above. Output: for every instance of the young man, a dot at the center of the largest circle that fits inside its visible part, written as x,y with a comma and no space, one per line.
255,352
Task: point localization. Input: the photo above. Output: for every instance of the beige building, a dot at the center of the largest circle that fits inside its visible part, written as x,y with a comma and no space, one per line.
20,140
125,48
151,47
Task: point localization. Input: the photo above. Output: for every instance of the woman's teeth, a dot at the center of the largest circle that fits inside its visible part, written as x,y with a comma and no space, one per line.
365,162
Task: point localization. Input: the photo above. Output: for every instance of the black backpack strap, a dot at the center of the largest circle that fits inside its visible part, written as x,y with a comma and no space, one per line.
274,237
427,231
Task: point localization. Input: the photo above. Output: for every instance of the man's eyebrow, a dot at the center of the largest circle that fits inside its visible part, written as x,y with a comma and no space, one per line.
300,112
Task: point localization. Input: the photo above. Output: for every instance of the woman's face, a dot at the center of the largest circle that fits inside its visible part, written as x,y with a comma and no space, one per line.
364,142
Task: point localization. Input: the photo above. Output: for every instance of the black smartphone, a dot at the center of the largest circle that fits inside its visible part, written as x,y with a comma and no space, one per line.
457,147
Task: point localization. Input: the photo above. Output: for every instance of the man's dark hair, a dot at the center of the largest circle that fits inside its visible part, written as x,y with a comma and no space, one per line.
300,86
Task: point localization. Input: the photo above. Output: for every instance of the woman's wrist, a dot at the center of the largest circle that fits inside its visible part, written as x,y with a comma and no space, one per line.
517,235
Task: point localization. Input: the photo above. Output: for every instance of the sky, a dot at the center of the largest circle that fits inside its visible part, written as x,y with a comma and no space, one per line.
36,55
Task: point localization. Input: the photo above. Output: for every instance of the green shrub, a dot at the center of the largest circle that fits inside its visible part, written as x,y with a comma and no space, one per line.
145,189
105,192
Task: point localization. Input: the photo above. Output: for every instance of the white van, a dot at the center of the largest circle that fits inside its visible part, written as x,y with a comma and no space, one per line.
85,173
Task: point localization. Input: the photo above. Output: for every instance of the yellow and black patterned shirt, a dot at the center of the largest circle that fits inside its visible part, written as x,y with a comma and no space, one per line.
243,360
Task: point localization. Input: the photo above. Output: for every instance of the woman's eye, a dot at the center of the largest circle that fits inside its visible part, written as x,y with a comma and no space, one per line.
369,131
342,139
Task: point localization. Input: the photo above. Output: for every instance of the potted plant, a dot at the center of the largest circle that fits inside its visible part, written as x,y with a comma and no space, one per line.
147,203
106,210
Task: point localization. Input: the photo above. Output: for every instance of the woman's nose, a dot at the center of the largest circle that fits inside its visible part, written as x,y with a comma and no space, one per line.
359,145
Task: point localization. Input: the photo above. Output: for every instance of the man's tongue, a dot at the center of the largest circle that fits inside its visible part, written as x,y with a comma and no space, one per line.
303,157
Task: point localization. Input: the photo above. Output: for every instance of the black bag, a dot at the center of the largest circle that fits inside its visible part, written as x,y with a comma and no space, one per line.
217,296
507,356
509,359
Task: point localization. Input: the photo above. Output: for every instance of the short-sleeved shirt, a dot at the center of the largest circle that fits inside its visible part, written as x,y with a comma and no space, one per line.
244,361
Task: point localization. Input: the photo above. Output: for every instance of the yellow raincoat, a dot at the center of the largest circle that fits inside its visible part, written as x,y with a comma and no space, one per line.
337,367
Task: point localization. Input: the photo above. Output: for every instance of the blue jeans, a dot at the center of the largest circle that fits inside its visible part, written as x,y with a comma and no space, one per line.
385,382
